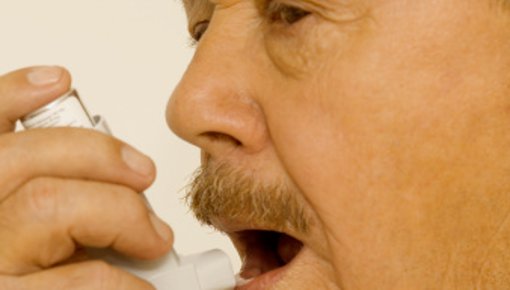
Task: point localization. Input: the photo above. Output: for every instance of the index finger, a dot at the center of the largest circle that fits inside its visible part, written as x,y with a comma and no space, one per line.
28,89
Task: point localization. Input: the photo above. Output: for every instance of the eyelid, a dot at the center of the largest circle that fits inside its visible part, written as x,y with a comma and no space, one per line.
332,10
198,30
300,4
276,10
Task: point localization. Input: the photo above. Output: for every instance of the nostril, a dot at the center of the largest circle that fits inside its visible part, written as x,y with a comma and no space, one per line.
218,137
215,117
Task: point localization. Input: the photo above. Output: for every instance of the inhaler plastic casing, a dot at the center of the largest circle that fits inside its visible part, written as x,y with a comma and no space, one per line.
209,270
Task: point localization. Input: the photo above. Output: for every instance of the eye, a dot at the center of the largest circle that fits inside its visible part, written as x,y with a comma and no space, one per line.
285,14
199,29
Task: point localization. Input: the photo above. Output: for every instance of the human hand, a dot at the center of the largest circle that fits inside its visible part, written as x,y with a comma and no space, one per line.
64,189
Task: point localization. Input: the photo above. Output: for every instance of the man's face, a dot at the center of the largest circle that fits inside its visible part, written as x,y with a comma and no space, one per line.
349,144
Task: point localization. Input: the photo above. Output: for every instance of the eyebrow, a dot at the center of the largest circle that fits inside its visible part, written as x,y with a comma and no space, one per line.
193,5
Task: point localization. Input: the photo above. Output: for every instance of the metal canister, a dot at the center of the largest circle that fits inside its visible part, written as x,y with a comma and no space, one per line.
66,111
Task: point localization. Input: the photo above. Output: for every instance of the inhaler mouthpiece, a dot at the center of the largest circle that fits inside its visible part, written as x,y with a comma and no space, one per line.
209,270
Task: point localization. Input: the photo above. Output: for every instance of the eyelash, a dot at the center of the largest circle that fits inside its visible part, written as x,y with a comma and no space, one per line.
275,13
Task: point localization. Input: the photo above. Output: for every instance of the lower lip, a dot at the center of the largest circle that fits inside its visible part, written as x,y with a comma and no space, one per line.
265,281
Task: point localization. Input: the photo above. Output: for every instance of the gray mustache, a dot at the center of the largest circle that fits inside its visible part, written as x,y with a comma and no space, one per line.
222,192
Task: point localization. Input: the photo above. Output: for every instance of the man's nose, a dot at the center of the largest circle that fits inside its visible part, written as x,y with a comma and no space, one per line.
215,106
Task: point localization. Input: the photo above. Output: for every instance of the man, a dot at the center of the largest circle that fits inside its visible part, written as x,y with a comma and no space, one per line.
346,145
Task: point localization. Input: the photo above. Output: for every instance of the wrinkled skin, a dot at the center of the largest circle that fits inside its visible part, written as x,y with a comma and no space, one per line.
390,117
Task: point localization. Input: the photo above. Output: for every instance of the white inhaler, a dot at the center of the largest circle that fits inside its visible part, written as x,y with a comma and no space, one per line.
209,270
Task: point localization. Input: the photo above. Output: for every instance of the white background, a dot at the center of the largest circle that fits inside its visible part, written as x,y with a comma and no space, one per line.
125,56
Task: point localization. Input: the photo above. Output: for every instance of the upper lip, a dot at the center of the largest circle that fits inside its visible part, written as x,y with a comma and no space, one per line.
232,227
228,225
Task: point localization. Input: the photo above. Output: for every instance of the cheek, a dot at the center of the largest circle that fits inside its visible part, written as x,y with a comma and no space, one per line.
368,156
380,121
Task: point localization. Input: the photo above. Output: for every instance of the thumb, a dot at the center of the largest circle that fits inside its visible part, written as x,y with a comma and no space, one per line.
28,89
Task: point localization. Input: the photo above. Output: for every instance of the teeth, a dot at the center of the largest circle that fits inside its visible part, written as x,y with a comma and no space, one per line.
240,281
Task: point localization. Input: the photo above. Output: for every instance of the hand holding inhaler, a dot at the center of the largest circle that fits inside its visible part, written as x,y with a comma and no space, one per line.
138,238
57,191
206,271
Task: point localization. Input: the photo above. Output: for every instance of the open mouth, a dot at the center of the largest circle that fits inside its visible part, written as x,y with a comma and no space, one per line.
265,256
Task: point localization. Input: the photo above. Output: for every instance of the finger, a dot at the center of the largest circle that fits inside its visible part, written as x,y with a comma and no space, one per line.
92,275
80,255
28,89
41,224
70,153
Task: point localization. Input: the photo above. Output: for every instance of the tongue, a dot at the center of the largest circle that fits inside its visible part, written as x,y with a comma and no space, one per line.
259,260
261,255
267,251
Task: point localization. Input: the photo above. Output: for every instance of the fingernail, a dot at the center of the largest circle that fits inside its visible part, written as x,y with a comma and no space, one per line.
137,161
44,75
161,228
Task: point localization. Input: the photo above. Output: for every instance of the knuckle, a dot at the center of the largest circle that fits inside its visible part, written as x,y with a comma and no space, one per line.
41,198
12,154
